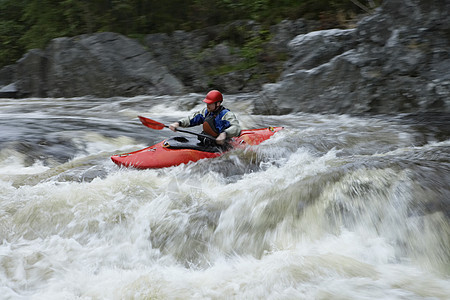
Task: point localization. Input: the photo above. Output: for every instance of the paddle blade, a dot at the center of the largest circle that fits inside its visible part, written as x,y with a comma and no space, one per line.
151,123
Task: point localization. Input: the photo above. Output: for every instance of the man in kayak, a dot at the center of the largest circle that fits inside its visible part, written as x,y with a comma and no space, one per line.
218,121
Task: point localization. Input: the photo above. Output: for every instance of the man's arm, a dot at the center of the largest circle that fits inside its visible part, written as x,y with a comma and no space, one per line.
235,127
195,119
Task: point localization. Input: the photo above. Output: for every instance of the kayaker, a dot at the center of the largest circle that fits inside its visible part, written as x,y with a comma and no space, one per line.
218,121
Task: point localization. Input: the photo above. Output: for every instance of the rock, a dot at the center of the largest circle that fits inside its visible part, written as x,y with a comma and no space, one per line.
179,54
285,31
8,88
213,57
396,60
315,48
198,57
103,64
31,74
8,91
108,64
7,75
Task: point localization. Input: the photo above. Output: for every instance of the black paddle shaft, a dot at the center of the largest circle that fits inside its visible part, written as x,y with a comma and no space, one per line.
197,134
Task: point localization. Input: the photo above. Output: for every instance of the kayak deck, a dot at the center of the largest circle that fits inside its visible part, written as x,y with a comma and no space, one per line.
181,150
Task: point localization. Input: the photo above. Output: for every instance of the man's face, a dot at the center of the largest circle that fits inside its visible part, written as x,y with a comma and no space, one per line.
212,106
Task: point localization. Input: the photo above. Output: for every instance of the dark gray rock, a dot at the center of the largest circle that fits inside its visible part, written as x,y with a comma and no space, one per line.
31,74
8,88
179,53
285,31
396,60
315,48
8,91
108,64
214,57
198,57
104,64
7,75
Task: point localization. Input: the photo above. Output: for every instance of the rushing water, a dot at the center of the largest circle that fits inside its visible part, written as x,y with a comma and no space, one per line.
332,207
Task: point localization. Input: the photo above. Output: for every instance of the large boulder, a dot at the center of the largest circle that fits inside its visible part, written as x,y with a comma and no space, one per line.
103,64
215,56
316,48
7,75
236,57
396,60
207,57
7,87
178,52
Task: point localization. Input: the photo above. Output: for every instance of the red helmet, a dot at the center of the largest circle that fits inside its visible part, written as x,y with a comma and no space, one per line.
213,97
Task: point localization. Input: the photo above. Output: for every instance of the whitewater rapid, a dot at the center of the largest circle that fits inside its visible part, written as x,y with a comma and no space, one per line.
331,207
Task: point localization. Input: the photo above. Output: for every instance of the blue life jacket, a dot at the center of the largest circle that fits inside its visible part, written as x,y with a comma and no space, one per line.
213,119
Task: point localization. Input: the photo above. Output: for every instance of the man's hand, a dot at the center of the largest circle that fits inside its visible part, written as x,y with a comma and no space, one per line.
221,138
174,126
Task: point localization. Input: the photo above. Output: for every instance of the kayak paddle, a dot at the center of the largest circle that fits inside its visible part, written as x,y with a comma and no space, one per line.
158,126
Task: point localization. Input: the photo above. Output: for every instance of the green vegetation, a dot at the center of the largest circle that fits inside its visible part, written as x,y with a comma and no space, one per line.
27,24
249,47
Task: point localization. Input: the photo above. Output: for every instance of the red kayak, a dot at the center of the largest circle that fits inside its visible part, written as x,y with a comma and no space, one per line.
181,150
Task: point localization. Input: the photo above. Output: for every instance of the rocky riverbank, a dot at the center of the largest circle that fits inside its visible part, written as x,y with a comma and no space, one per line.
395,60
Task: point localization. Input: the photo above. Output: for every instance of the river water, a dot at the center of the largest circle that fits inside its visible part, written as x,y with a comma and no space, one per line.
331,207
